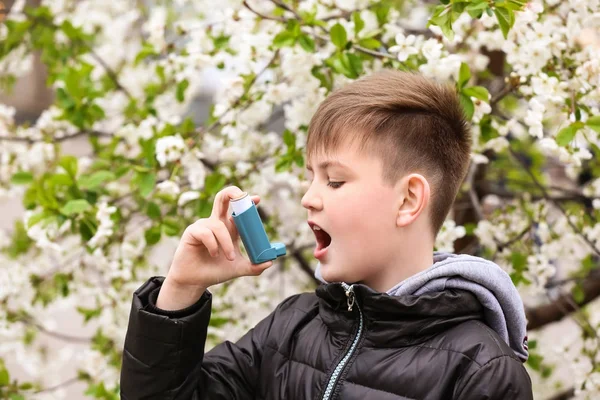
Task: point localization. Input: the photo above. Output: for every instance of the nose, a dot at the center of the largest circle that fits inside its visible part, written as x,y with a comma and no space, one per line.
311,200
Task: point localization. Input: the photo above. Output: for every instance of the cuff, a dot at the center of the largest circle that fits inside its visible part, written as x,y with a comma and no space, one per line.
184,312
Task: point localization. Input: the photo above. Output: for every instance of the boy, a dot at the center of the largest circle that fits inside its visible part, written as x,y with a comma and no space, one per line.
387,153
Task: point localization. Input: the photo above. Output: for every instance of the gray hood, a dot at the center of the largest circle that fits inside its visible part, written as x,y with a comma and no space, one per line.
503,307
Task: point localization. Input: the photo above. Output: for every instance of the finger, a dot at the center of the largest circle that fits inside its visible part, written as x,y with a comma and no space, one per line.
257,269
205,236
222,199
224,238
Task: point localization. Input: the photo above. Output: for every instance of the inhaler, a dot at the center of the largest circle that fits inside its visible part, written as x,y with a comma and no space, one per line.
252,231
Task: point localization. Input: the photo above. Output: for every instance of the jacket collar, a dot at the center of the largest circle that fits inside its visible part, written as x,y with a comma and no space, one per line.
395,321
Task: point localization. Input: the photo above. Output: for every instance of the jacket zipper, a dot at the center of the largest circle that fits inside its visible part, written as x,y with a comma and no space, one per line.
344,361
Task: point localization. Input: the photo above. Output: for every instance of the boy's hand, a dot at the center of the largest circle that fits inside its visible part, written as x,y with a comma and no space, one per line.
208,253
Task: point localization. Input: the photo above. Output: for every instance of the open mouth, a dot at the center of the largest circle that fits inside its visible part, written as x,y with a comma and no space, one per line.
323,238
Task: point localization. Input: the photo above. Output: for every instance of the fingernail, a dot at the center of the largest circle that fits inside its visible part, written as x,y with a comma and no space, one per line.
232,255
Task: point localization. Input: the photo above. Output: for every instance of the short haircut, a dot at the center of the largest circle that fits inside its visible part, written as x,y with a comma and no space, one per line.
413,124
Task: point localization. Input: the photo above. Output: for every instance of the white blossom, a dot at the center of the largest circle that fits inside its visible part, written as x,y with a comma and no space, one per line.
169,149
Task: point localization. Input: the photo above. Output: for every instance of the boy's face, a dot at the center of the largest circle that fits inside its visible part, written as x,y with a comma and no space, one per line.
353,206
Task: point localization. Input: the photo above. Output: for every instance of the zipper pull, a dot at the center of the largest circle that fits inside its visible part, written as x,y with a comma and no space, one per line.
350,296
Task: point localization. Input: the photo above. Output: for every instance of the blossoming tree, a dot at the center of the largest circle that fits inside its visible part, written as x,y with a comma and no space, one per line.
125,73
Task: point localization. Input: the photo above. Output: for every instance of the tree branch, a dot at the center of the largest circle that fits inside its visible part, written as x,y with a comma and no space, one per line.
111,74
564,305
556,203
502,94
304,266
109,71
55,139
564,395
58,386
239,99
58,335
269,17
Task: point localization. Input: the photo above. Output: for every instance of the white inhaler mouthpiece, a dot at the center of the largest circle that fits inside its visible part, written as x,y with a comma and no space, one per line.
249,225
241,204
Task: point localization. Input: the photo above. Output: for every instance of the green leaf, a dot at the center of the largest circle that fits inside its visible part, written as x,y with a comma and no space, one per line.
153,211
325,81
467,106
283,164
289,139
356,65
369,43
61,179
359,24
442,17
463,75
594,123
477,6
22,178
152,235
147,50
339,36
214,182
89,313
340,64
4,376
510,5
171,226
147,181
504,17
96,179
284,39
180,91
479,92
578,294
566,135
75,207
307,43
37,217
69,164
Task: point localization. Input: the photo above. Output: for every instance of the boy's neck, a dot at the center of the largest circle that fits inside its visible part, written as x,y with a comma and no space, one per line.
414,258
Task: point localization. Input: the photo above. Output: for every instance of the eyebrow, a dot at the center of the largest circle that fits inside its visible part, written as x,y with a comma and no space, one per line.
327,164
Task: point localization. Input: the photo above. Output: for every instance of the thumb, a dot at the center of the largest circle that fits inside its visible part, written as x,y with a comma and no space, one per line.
257,269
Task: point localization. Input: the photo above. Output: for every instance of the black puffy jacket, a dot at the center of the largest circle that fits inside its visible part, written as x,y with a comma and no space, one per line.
332,344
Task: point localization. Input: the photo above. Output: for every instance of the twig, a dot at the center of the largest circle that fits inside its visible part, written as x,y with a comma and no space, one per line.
54,139
359,48
58,335
564,395
356,47
562,306
239,99
281,4
472,194
500,95
60,385
273,18
112,75
557,204
515,239
304,266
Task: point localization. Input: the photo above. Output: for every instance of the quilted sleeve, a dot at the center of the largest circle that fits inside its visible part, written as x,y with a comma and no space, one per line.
501,378
163,356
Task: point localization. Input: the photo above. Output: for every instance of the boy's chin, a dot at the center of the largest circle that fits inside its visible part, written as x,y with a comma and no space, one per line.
330,273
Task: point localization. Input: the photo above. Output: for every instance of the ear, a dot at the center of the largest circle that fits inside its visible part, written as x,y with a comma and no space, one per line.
414,197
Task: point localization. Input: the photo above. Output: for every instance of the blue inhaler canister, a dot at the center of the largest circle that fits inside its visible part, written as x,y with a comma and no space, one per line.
252,231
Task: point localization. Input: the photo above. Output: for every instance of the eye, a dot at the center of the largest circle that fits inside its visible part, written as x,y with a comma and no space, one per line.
335,185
